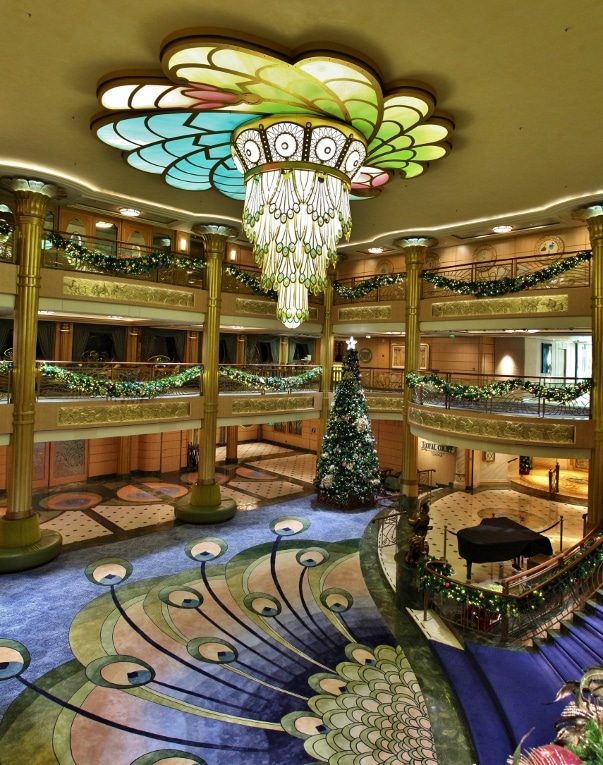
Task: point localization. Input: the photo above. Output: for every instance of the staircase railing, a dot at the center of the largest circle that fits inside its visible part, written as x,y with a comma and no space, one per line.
522,606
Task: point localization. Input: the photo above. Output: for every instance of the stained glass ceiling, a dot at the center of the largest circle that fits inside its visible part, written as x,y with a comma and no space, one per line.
179,123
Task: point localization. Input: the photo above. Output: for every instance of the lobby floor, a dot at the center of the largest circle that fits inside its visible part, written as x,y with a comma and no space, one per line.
96,512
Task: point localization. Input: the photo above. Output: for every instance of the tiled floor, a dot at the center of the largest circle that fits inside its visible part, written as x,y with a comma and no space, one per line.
268,473
458,510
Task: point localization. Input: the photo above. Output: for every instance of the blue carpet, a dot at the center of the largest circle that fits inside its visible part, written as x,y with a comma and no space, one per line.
255,641
492,739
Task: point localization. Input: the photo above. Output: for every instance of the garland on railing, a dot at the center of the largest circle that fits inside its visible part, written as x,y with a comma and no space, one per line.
494,600
250,281
5,228
508,284
280,384
5,367
560,395
95,386
368,285
128,266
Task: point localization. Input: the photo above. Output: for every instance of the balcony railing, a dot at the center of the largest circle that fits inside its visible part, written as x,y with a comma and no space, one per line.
51,387
264,372
510,268
385,294
515,402
54,257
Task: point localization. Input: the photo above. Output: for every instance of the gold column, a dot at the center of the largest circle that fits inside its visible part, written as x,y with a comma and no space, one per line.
326,359
593,217
414,250
64,341
23,544
132,344
206,504
283,350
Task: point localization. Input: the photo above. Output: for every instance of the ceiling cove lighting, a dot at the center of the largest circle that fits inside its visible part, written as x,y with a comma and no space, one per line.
129,212
502,229
293,137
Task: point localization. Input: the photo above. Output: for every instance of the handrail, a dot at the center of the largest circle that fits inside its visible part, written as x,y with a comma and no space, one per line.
556,586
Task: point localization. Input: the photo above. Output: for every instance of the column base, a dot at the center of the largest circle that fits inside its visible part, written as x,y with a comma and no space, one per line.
205,505
23,545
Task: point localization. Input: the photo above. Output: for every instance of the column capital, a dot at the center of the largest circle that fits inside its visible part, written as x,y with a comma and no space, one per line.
415,241
215,235
593,217
27,189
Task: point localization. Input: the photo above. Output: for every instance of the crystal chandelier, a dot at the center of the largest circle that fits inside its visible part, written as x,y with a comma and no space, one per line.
298,172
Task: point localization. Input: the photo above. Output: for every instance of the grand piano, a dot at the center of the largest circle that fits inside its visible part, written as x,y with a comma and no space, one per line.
498,539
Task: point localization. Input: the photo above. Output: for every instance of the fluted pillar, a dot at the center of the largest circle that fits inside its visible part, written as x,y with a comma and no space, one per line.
326,358
414,250
593,217
206,504
23,545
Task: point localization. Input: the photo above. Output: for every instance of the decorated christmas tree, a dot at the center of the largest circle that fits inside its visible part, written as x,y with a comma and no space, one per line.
347,473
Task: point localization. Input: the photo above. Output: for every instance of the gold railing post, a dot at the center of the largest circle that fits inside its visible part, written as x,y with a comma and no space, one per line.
23,544
205,504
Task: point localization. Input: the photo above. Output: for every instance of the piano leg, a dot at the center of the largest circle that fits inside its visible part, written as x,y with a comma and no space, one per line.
469,570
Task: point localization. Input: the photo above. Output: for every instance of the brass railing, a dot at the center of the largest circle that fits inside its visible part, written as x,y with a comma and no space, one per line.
51,387
516,402
510,268
265,371
567,581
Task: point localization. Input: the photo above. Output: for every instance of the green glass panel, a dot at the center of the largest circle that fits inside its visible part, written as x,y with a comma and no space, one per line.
429,153
403,115
428,134
408,102
413,169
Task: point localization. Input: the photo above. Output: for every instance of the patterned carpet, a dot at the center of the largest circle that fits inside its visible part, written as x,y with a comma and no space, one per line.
276,656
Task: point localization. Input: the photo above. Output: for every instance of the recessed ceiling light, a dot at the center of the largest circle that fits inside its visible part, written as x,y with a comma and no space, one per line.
115,318
129,212
376,250
46,313
502,229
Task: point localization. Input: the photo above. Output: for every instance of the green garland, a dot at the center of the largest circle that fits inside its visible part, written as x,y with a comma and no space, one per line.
280,384
130,266
95,386
5,367
494,601
507,285
562,394
5,228
368,285
250,281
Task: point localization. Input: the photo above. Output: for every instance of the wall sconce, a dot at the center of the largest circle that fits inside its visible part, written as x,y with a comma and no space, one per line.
183,243
232,253
134,331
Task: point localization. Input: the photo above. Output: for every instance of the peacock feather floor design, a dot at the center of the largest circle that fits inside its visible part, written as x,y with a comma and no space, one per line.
277,657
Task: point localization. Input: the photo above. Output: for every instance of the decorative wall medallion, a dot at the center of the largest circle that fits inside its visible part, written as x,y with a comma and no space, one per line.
126,292
501,430
359,312
365,355
384,266
122,413
385,404
549,245
272,404
432,260
502,306
484,253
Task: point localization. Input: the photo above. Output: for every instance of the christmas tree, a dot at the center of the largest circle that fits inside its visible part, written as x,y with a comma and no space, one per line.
347,473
